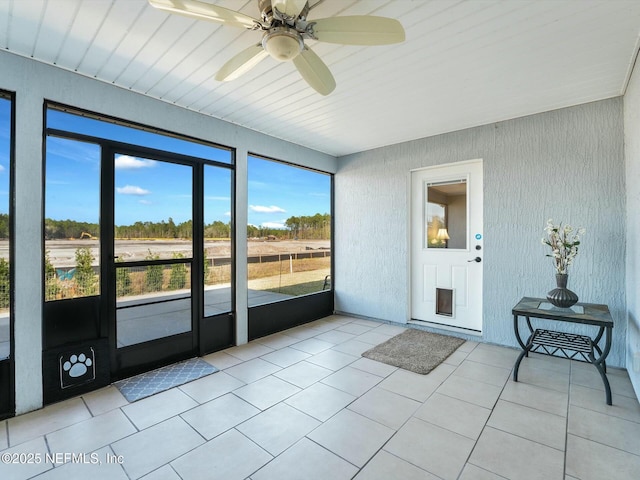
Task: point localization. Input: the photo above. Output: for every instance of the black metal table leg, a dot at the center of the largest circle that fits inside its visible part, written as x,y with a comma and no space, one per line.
516,367
596,341
525,348
599,362
517,331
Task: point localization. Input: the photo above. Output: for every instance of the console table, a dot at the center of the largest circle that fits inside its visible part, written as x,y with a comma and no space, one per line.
568,345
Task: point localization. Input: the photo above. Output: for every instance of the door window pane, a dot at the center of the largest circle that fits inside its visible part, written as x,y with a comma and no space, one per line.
72,219
5,223
217,241
153,223
153,209
153,301
446,215
289,231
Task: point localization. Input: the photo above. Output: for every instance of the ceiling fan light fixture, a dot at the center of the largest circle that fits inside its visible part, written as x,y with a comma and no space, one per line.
282,43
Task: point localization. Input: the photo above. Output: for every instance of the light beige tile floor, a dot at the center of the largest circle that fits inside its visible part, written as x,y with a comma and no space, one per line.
303,404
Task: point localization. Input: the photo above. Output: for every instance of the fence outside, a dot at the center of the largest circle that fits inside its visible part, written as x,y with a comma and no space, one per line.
65,282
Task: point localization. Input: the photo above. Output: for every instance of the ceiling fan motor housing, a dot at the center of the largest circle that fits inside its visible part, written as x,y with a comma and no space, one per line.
282,43
266,10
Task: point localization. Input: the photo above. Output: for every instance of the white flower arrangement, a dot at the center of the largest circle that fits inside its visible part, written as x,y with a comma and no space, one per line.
564,242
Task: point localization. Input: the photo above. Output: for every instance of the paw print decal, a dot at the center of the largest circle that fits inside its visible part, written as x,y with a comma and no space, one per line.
77,365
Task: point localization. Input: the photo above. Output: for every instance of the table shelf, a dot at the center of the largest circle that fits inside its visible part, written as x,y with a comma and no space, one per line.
569,345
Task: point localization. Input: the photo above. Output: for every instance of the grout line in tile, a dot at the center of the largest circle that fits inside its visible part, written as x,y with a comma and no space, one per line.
601,393
566,424
606,445
132,422
487,365
121,465
273,457
493,408
475,444
468,403
46,443
86,405
525,438
337,454
485,470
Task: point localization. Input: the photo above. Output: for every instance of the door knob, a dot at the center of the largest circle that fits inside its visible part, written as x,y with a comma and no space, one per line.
477,259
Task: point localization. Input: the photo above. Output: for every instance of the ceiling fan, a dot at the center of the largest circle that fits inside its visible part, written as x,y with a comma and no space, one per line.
285,27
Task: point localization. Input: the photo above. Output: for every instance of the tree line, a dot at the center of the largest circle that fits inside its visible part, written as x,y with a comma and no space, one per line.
4,225
312,227
316,226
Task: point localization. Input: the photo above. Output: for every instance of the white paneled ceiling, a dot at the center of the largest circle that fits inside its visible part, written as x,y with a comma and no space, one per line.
464,63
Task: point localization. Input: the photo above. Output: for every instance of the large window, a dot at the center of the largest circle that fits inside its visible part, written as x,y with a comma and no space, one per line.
289,231
218,271
5,225
72,219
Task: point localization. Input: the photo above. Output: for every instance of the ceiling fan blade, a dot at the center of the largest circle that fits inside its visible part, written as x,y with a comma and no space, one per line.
291,8
241,63
314,71
358,30
205,11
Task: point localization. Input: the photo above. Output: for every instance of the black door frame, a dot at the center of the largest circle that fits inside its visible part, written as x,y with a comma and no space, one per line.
217,332
7,365
151,354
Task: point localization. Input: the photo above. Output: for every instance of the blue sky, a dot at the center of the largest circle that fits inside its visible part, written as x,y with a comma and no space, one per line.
278,191
5,129
150,190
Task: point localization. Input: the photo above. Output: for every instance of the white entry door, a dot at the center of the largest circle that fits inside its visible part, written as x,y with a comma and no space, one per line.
447,245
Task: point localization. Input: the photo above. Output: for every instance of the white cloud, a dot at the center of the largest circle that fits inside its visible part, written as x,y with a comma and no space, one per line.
2,169
273,225
227,214
127,162
265,209
132,190
145,202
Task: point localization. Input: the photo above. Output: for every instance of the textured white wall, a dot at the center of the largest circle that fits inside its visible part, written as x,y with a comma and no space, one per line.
632,159
34,83
566,164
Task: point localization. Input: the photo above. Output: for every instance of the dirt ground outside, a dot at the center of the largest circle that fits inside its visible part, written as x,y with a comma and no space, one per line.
62,252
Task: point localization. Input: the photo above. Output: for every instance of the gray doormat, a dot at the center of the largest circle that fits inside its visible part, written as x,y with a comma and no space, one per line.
156,381
415,350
